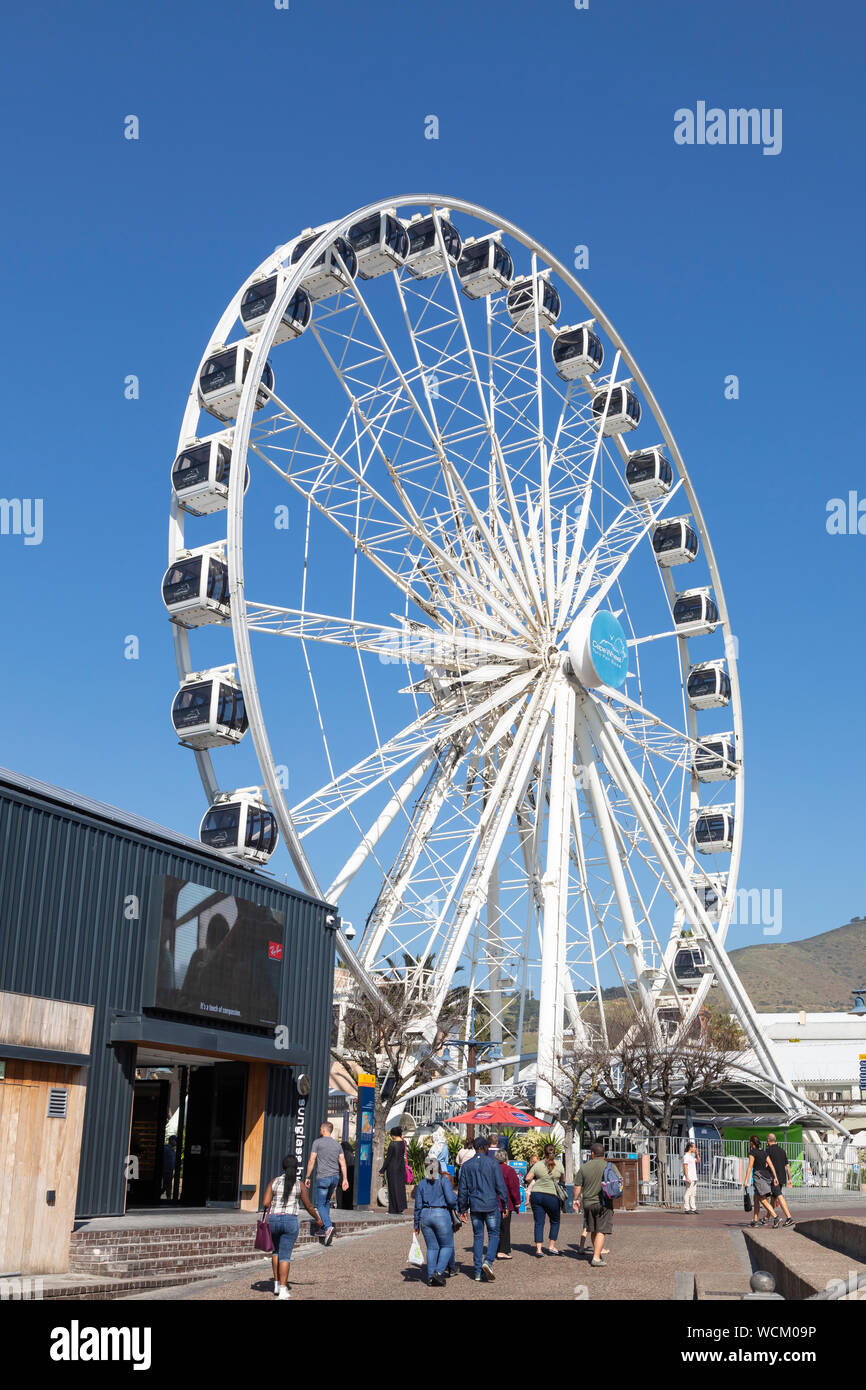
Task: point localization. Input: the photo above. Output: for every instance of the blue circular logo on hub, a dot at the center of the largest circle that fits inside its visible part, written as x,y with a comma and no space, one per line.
608,649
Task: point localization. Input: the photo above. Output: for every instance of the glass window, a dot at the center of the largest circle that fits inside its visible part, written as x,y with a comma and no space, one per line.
451,239
219,371
502,261
474,258
191,467
183,580
191,706
258,298
254,827
688,610
346,252
217,580
298,309
303,246
220,826
422,235
223,464
365,233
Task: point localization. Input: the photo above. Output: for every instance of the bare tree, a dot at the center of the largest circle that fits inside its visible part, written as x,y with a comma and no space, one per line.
377,1038
646,1077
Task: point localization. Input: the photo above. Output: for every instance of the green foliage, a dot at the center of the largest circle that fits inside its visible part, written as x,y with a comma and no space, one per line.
455,1144
525,1142
416,1154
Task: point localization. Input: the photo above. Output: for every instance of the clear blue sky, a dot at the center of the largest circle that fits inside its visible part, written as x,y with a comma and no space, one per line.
118,257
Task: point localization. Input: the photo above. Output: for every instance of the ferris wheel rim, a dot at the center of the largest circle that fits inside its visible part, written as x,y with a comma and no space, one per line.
242,427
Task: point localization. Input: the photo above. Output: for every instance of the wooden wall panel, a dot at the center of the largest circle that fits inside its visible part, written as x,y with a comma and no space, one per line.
26,1020
38,1154
254,1129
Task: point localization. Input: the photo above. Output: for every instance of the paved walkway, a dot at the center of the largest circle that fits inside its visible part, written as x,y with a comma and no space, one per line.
653,1257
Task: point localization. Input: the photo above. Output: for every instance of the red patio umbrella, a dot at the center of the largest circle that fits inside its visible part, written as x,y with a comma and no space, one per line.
498,1113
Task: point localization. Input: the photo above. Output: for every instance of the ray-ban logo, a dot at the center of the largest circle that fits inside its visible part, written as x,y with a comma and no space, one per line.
737,126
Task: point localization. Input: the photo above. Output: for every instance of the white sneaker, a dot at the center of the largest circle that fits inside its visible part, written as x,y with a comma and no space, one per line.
283,1293
276,1286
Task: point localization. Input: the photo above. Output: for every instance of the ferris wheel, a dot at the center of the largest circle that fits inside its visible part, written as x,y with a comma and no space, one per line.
503,730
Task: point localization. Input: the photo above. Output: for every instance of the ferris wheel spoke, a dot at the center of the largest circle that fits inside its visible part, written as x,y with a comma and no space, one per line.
418,738
392,894
411,642
492,826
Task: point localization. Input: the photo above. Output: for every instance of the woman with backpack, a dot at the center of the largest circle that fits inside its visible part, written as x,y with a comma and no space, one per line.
598,1183
435,1200
543,1183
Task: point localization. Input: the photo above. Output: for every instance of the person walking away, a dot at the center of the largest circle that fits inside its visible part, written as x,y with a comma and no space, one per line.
481,1191
542,1183
439,1148
512,1183
763,1175
394,1169
435,1200
466,1153
329,1161
779,1159
691,1159
282,1195
589,1183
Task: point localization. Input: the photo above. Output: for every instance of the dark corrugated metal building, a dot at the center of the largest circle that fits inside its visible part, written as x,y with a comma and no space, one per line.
211,986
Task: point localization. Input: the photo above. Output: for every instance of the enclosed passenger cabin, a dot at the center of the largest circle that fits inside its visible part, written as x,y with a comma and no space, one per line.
710,892
715,759
689,967
695,613
195,589
485,267
577,352
708,685
332,271
257,302
221,381
714,832
533,300
622,406
426,248
380,243
200,474
675,542
648,475
241,825
208,710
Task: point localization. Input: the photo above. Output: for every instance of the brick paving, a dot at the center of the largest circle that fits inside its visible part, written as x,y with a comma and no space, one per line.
648,1251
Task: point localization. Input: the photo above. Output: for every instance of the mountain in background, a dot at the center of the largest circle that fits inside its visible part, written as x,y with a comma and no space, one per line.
816,974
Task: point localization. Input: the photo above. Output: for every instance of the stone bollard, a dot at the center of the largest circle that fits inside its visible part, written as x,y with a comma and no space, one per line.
763,1287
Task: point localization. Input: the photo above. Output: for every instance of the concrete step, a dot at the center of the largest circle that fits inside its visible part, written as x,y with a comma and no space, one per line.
800,1266
847,1234
720,1288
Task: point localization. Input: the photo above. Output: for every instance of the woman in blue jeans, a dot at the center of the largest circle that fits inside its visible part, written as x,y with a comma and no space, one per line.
542,1182
281,1199
435,1199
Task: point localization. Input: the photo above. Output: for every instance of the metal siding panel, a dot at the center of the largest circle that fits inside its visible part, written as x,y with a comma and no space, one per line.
63,881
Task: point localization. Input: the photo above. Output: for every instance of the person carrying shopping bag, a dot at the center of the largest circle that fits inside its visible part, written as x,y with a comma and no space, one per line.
282,1195
435,1201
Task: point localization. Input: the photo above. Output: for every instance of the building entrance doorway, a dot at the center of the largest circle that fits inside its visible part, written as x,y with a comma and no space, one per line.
187,1135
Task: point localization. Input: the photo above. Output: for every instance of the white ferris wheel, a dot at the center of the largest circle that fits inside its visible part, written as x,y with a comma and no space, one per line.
503,727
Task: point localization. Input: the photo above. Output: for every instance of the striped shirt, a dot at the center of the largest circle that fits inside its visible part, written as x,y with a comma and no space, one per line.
284,1203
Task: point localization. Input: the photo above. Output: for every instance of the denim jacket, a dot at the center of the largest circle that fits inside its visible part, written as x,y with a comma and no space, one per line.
481,1186
438,1194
